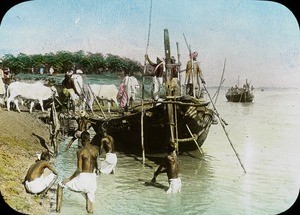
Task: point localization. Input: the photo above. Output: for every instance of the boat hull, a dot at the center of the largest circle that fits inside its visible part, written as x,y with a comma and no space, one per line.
126,130
240,96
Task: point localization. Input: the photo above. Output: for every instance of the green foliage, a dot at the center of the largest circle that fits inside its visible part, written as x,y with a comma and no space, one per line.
62,61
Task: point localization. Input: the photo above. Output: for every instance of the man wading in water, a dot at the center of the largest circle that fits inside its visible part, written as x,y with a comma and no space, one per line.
170,166
35,181
108,166
84,178
83,125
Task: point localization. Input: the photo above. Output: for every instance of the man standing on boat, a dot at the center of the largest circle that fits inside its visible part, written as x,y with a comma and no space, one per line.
170,166
193,76
131,85
84,178
157,80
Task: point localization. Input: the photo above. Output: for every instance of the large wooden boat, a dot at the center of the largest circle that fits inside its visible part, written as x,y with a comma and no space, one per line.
192,123
240,94
151,126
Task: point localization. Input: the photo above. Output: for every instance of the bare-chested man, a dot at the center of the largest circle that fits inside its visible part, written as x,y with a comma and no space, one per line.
108,166
83,125
170,166
84,178
35,181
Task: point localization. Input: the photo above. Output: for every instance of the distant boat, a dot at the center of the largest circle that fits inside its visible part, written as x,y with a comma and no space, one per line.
240,94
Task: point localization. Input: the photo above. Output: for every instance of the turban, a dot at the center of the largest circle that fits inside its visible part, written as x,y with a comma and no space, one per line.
194,54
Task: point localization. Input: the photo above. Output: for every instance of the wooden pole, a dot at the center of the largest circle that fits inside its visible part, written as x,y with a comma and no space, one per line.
143,88
175,106
188,128
222,124
168,90
221,81
97,102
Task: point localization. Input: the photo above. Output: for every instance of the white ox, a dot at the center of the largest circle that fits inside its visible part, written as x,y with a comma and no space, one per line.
30,91
103,92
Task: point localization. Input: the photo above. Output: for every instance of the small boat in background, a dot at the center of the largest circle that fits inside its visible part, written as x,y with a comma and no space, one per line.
240,94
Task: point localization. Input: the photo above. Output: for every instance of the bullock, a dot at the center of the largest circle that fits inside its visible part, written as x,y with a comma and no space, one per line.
30,91
74,88
103,92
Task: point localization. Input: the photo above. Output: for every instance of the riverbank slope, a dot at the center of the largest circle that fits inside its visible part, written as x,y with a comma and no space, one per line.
22,136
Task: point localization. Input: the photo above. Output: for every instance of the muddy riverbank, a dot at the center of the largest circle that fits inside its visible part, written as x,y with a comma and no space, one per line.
22,136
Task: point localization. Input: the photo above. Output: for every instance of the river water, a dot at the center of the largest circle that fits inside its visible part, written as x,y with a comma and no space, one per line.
264,133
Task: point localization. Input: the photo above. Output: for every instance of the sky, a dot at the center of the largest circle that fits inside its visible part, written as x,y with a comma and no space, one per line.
260,40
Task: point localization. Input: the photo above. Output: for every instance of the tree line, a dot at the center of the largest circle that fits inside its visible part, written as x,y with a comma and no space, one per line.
63,61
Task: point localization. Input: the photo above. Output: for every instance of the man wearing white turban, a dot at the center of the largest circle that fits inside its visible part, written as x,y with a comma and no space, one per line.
193,76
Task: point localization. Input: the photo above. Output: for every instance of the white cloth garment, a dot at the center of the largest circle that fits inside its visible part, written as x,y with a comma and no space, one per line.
109,164
132,85
39,184
175,185
2,87
84,182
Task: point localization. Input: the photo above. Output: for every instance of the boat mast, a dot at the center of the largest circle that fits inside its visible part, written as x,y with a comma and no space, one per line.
168,88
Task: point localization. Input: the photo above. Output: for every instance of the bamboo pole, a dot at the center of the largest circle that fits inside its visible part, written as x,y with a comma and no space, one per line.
176,120
143,88
97,101
222,124
220,119
221,81
173,102
188,128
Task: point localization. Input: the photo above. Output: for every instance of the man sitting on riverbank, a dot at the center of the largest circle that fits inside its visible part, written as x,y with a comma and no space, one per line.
170,166
35,181
108,166
84,178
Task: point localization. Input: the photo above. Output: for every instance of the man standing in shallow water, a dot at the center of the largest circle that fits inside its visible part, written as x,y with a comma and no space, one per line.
35,181
170,166
84,178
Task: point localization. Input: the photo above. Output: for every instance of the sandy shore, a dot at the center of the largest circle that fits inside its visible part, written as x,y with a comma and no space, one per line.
22,136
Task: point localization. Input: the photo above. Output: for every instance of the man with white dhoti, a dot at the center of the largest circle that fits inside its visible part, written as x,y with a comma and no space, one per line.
157,80
170,166
84,178
108,166
36,182
132,85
